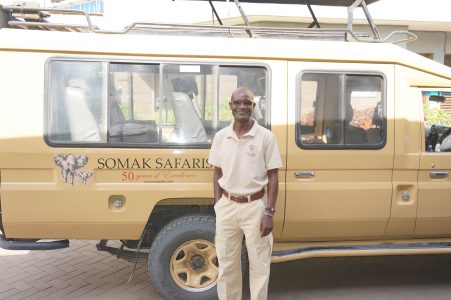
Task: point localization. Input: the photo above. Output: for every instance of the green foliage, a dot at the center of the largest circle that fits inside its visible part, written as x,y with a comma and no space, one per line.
225,114
436,116
125,109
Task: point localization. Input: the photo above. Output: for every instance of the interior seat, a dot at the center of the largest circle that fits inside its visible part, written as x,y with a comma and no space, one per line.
130,131
188,126
353,134
82,123
257,113
188,86
375,133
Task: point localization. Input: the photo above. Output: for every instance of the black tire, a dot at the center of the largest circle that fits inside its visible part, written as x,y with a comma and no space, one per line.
183,238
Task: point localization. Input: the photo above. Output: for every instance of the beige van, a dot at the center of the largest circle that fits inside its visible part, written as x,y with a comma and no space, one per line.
106,136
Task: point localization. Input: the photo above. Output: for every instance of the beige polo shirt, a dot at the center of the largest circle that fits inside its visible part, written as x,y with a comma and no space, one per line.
244,161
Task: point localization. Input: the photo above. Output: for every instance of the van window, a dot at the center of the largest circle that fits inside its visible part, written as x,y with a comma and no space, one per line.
116,104
337,110
437,121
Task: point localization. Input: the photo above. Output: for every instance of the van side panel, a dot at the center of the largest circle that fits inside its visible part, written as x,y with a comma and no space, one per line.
434,183
407,146
434,205
95,192
279,129
348,193
37,203
419,202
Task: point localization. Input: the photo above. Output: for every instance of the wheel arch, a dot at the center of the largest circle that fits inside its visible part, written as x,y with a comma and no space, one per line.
166,210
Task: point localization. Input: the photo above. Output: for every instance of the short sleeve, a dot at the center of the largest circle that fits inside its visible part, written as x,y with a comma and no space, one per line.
214,157
272,154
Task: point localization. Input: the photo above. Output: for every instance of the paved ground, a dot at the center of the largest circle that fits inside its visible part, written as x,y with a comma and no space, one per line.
82,272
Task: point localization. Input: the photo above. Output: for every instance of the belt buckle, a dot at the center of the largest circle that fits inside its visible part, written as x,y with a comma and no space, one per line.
248,198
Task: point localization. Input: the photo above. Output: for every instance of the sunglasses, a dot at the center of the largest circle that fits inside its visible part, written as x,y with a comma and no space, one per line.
245,102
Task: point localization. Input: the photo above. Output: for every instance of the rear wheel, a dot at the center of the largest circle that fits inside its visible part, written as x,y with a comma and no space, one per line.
182,260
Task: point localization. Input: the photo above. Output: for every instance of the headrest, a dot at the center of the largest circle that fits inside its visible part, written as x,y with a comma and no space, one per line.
349,113
377,115
186,85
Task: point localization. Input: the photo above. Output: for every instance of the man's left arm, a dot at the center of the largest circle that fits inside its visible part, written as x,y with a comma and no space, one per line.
273,188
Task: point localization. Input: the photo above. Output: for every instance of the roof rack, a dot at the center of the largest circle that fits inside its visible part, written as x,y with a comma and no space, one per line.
37,19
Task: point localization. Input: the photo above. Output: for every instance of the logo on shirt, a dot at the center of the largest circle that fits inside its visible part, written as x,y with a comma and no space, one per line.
252,152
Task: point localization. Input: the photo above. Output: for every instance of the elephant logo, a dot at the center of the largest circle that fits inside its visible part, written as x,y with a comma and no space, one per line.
69,164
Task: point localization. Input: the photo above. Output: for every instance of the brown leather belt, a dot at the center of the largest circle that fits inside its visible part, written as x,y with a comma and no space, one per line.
243,199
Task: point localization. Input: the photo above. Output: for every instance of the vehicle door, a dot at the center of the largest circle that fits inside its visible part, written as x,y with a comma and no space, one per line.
434,184
340,151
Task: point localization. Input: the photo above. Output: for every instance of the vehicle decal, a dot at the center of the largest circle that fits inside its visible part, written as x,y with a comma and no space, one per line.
69,164
152,163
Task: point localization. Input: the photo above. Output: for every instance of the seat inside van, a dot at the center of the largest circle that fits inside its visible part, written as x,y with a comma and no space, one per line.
188,126
375,133
82,123
353,134
130,131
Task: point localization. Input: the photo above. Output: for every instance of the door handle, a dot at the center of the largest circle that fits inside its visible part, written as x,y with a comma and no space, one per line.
438,174
304,174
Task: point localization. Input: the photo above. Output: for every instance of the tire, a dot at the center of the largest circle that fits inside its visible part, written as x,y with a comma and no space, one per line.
182,259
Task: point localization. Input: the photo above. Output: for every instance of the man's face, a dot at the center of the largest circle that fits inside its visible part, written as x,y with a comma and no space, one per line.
242,106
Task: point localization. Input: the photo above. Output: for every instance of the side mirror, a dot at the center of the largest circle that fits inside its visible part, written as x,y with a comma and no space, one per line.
436,98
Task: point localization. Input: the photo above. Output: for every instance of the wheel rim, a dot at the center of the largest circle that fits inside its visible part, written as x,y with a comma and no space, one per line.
194,265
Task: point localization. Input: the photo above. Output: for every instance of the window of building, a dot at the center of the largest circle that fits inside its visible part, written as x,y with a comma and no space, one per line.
136,104
337,110
87,6
428,55
448,60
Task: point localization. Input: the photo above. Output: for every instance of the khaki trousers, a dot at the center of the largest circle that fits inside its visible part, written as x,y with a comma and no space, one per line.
233,220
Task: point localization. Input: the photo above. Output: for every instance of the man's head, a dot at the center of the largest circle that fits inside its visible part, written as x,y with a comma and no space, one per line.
242,104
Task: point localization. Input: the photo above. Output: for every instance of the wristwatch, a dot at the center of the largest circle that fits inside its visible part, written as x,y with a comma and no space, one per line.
270,210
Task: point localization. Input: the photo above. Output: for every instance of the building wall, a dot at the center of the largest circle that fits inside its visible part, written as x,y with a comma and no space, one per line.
433,43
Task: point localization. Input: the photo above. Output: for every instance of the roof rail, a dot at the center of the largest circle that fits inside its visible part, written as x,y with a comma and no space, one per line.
37,19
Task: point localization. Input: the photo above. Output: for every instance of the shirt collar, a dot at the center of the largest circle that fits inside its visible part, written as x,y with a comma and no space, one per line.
231,133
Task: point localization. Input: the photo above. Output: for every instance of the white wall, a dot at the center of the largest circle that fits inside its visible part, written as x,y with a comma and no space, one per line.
448,43
430,42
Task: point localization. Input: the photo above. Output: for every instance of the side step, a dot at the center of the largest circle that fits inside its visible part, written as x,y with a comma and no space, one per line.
32,244
362,250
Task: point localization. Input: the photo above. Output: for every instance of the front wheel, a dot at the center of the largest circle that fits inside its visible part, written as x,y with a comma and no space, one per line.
182,260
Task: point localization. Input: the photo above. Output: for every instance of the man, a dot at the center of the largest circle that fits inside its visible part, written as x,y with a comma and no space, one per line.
246,160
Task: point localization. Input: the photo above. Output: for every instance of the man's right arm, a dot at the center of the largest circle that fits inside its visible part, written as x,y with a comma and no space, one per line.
216,187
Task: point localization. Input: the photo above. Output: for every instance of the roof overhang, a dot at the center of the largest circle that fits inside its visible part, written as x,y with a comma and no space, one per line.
345,3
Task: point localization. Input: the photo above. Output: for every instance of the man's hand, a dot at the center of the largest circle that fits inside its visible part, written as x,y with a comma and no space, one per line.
217,174
266,225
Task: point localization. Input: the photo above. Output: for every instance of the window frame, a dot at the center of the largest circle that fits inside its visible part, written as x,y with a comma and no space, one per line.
114,60
298,91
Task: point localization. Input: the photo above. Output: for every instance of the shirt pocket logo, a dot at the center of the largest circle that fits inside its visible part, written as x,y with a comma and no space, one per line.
252,151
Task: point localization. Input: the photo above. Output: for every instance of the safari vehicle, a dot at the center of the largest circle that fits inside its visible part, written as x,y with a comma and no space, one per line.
106,134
